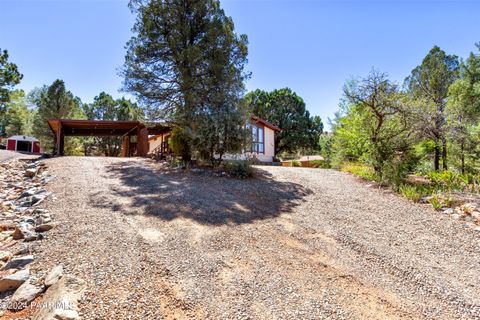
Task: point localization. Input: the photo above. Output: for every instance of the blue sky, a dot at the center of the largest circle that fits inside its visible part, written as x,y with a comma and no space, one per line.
311,46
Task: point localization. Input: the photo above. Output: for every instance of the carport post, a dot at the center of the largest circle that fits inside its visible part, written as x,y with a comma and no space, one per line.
60,140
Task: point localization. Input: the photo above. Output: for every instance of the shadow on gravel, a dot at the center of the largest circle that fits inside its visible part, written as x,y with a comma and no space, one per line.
202,197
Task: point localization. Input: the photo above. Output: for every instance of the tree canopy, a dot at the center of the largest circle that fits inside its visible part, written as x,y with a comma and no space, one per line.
55,101
285,109
9,77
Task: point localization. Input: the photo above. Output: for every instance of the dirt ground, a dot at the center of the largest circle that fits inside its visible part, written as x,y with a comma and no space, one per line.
293,243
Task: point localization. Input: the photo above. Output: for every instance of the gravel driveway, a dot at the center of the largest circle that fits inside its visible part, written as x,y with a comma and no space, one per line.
295,244
6,155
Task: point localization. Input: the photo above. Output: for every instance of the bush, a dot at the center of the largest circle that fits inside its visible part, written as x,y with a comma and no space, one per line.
436,202
411,192
447,180
296,163
319,164
361,170
180,143
239,169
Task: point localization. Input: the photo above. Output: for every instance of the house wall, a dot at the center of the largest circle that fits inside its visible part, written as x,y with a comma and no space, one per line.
154,142
262,157
267,156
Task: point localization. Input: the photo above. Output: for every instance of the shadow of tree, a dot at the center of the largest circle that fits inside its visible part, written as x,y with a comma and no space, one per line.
202,197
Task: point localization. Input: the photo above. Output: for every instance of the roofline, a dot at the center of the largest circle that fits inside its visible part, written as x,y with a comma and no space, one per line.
266,123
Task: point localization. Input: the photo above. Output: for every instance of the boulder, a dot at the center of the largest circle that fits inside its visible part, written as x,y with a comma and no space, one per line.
18,262
13,281
24,295
44,227
62,296
53,276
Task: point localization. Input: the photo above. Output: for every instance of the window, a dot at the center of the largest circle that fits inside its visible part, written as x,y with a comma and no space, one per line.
258,141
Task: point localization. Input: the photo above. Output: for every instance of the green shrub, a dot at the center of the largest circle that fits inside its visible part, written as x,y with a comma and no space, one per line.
319,164
448,180
361,170
436,202
411,192
239,169
296,163
180,143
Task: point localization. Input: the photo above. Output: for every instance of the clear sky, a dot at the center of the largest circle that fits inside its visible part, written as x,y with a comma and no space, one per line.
311,46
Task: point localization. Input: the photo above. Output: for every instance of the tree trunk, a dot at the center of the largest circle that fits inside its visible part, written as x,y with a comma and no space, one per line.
436,157
444,153
462,156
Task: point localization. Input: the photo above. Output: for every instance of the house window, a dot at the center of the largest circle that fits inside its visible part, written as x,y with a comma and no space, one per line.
258,139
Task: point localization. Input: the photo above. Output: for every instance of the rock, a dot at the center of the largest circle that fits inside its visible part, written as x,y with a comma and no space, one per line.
31,172
62,314
24,248
37,199
456,216
5,255
448,211
477,229
30,192
44,227
18,262
17,234
63,295
25,294
24,233
13,281
54,275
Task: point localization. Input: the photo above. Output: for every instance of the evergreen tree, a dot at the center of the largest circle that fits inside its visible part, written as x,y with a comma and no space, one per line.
55,102
429,82
186,62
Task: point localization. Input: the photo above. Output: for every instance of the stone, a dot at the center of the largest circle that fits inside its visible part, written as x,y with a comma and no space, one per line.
24,295
32,172
5,255
24,233
18,262
456,216
30,192
37,199
63,295
53,276
62,314
13,281
477,229
44,227
448,211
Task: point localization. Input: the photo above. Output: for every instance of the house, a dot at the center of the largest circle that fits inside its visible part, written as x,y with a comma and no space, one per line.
262,146
23,144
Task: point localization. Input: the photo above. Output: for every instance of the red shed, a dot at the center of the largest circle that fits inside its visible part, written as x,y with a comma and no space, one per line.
23,144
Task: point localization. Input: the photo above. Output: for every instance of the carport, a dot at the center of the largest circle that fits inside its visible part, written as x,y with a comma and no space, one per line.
134,133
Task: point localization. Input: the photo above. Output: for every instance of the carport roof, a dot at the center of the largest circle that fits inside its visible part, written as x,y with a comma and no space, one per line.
94,127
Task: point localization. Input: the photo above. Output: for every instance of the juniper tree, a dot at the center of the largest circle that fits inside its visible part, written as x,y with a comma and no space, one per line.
429,82
187,64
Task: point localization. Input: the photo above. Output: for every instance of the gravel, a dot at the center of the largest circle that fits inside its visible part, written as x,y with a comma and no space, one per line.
7,155
293,243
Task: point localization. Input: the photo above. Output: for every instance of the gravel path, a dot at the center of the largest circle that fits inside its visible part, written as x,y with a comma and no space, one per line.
296,244
7,155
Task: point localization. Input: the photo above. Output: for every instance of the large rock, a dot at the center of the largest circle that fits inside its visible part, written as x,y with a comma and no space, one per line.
13,281
18,262
60,298
24,295
44,227
54,275
31,172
